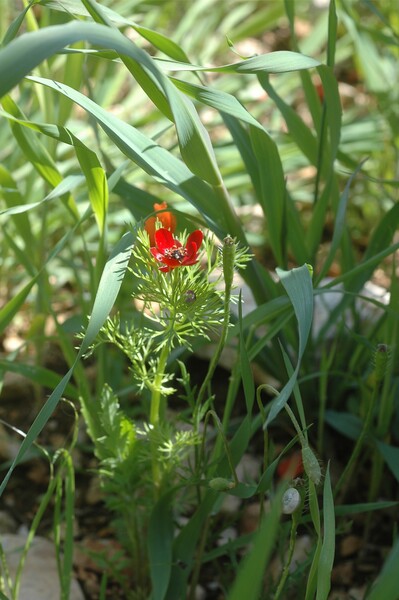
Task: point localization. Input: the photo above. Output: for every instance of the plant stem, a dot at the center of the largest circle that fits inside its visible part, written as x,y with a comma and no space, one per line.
222,340
157,386
345,476
286,569
155,412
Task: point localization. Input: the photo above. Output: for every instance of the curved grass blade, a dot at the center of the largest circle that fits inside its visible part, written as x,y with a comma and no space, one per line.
67,185
281,61
40,375
107,292
298,285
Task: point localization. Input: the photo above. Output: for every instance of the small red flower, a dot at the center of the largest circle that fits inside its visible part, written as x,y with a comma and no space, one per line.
170,252
291,466
167,219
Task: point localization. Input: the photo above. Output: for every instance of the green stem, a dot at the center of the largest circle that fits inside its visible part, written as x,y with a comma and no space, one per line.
286,569
347,472
219,349
155,415
157,386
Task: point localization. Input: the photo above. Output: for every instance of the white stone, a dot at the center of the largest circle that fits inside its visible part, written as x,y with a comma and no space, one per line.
39,580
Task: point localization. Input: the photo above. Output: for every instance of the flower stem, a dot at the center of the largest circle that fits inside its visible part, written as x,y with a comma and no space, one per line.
155,410
155,415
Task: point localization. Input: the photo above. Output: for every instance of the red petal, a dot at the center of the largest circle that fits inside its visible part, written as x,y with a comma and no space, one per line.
149,226
164,239
171,262
190,261
157,254
160,206
196,238
191,250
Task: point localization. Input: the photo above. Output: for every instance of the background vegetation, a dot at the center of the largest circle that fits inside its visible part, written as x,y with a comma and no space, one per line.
275,123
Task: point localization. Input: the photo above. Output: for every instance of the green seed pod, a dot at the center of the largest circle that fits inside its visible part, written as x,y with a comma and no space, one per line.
229,250
189,296
220,484
381,360
311,465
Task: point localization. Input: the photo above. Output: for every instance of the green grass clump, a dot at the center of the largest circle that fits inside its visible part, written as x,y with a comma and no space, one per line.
270,126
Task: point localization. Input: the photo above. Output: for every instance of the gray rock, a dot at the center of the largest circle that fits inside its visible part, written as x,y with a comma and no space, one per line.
39,579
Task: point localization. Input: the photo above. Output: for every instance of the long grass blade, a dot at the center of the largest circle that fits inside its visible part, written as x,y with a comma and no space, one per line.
298,285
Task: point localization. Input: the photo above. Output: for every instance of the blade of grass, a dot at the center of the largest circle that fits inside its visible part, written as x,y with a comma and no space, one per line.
160,546
326,559
386,584
248,582
298,285
108,289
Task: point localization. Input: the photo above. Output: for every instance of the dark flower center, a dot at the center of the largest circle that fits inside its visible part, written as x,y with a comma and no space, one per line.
176,253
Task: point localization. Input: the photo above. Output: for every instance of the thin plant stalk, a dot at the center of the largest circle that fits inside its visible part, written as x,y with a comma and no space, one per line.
291,548
350,466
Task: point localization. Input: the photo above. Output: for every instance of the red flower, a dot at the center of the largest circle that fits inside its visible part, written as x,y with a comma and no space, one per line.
171,253
167,219
291,466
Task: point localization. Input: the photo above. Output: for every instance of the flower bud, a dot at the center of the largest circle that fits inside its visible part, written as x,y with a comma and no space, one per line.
381,360
189,296
311,465
220,484
229,250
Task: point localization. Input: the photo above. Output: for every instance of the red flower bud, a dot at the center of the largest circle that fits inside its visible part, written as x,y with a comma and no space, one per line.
166,218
